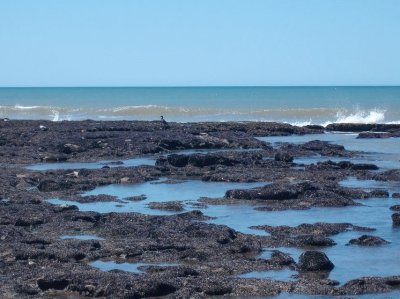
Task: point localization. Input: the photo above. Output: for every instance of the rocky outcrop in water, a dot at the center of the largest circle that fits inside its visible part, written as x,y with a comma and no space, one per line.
366,240
307,235
396,219
314,261
351,127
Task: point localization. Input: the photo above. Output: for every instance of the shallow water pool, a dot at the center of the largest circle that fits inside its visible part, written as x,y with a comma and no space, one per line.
155,191
81,237
385,153
92,165
127,267
350,261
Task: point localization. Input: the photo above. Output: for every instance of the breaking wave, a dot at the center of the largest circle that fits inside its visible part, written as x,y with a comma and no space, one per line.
361,117
295,116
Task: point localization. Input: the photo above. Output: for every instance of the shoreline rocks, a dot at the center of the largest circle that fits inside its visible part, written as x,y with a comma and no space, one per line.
35,262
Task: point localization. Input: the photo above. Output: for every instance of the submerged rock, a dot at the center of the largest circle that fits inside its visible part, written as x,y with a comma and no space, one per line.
396,195
168,206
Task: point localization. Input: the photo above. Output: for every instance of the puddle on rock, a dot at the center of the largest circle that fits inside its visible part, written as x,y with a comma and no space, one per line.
155,191
127,267
91,165
81,237
282,275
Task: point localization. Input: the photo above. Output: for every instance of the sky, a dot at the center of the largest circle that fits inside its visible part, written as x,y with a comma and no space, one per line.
199,43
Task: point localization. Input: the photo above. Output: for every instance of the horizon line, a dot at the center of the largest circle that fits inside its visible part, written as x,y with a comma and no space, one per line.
194,86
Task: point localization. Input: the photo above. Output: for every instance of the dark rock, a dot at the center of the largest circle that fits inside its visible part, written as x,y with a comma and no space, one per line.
214,289
202,160
51,185
313,240
178,160
366,240
176,206
395,208
29,221
379,193
314,261
351,127
171,144
281,258
271,192
373,135
315,127
55,284
64,208
364,166
283,157
396,219
389,175
136,198
69,148
396,195
318,145
370,285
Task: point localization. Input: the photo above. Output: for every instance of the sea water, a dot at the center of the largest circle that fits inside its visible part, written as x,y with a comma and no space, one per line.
385,153
295,105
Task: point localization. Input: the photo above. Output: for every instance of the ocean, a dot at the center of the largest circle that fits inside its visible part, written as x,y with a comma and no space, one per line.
294,105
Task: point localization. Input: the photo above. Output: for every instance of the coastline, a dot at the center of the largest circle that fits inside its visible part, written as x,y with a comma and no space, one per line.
205,259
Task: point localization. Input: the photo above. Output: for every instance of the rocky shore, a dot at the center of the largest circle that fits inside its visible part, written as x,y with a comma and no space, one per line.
184,255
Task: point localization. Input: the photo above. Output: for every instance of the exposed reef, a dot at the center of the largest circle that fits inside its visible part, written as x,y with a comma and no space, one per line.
204,259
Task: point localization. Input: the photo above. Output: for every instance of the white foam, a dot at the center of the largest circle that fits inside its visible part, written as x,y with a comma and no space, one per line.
372,116
56,115
138,107
20,107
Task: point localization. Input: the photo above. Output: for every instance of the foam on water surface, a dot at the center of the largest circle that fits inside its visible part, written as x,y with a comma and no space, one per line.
294,105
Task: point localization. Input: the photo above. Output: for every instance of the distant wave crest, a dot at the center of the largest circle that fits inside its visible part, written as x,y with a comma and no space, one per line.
295,116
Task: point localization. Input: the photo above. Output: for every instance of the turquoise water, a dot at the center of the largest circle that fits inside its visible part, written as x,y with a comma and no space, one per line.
297,105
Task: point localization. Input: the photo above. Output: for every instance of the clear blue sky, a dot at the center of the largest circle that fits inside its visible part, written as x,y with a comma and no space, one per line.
199,42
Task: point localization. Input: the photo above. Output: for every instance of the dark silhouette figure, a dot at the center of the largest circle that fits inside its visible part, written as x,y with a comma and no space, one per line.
164,122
